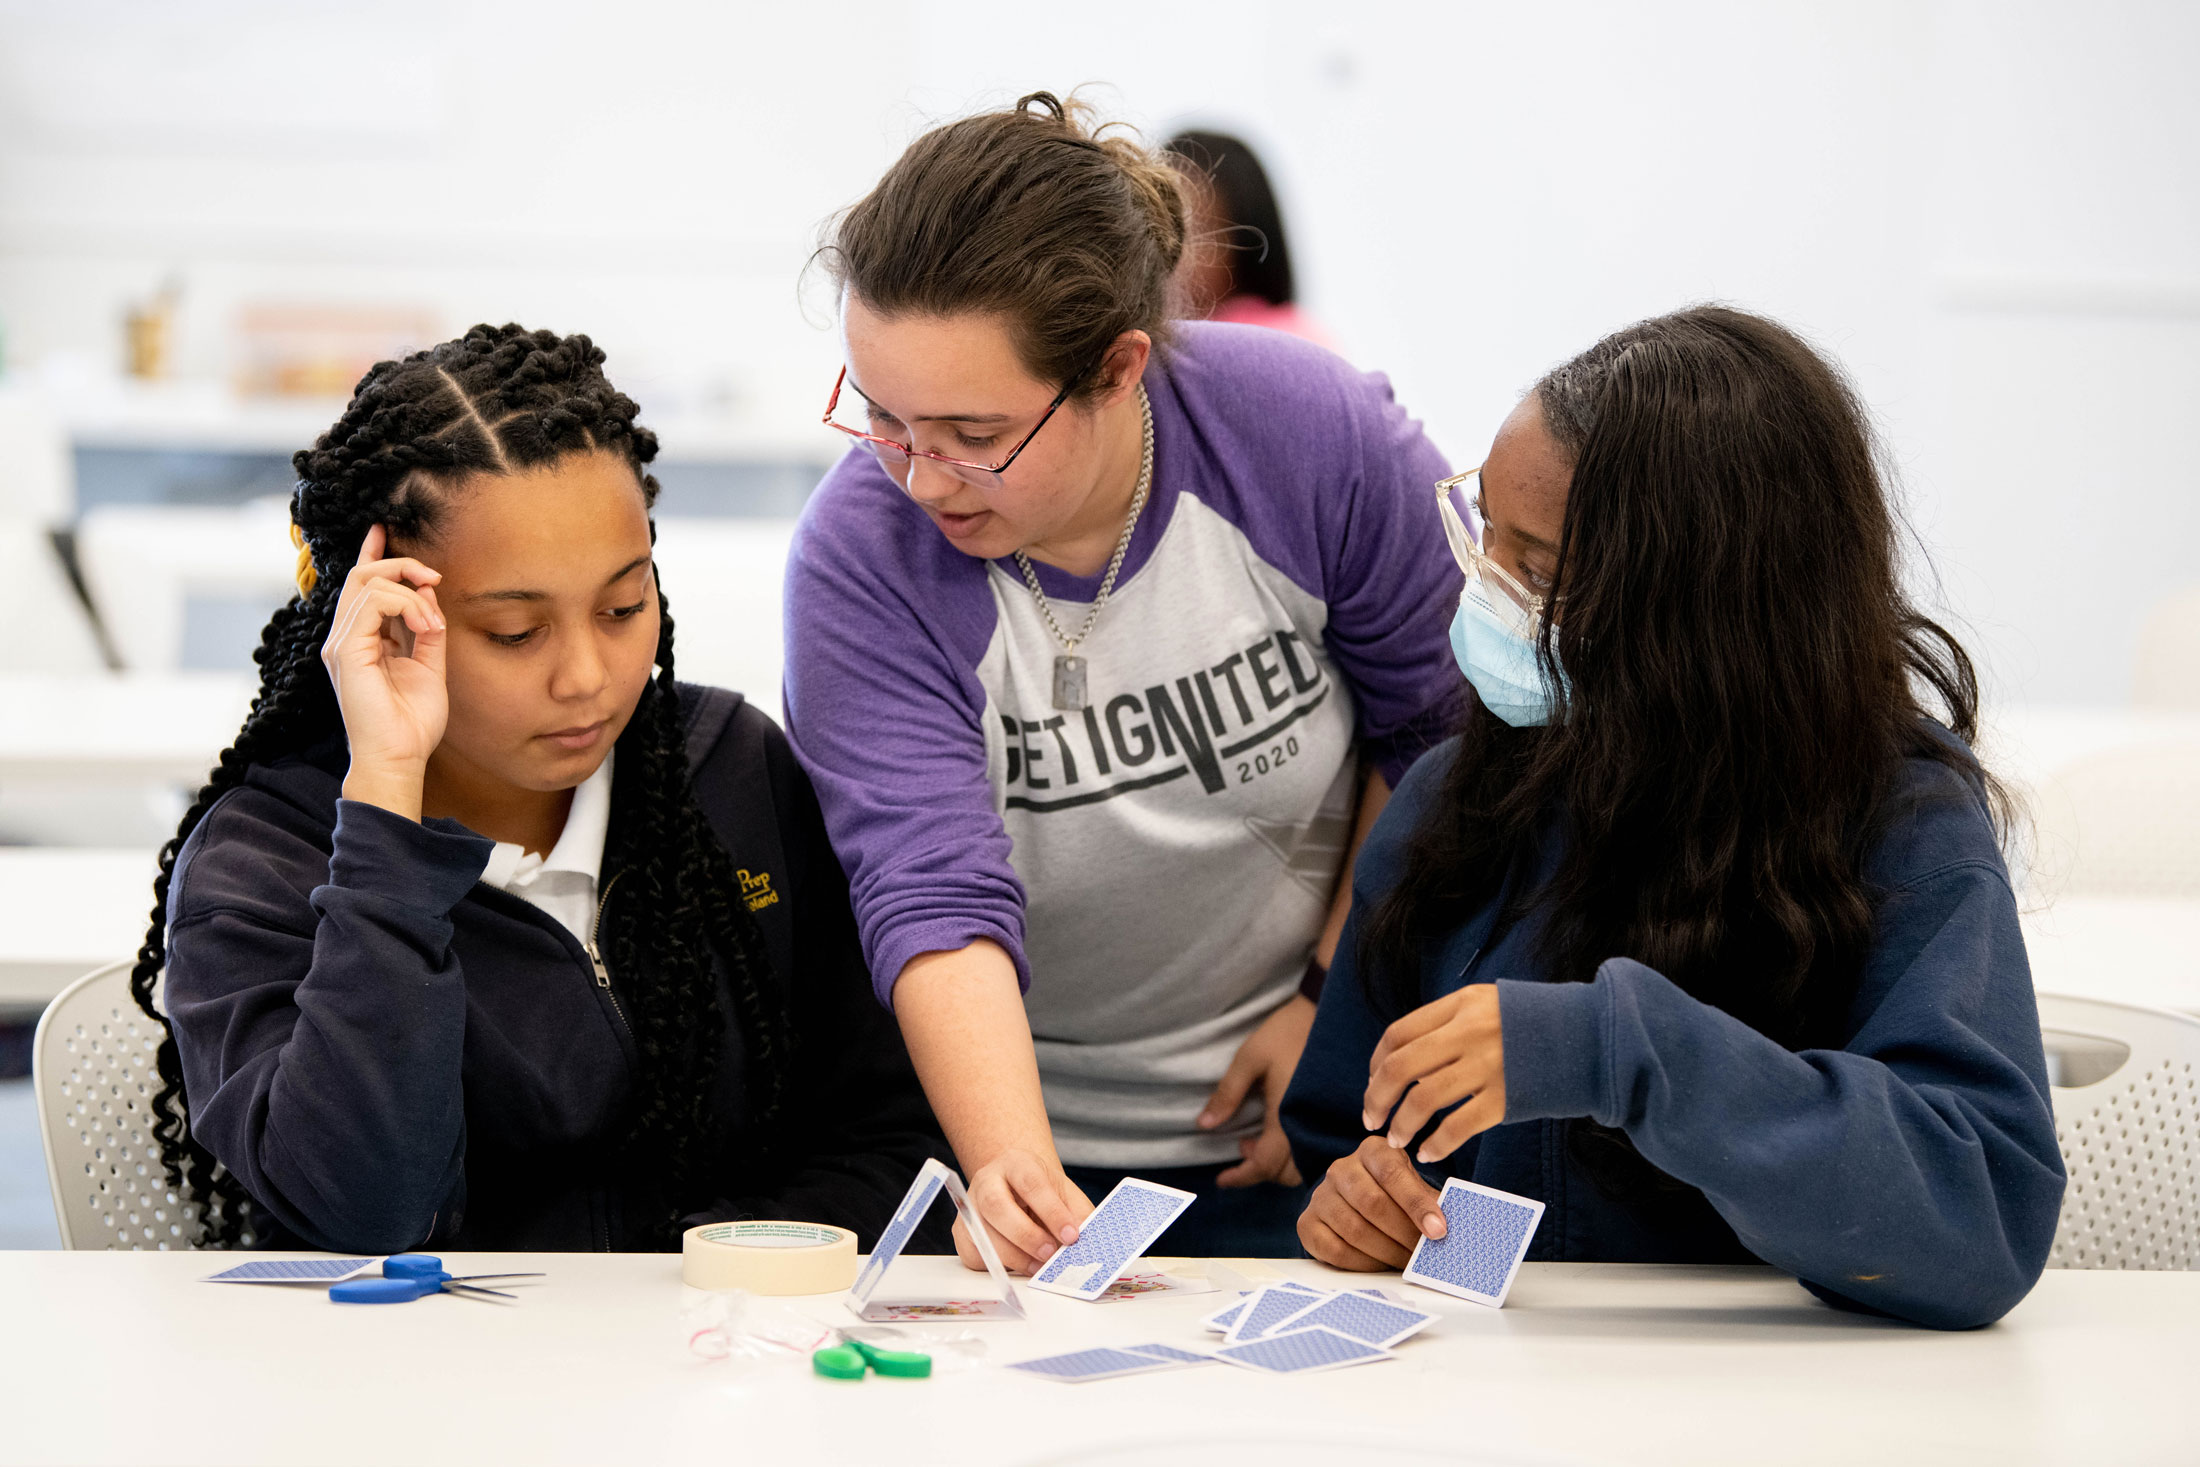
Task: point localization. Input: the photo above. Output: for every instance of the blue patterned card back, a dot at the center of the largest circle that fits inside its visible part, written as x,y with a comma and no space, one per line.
293,1271
1100,1363
1486,1234
1297,1351
1370,1320
1117,1232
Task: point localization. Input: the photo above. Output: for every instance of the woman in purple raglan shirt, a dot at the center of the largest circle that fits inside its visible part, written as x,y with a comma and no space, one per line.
1102,659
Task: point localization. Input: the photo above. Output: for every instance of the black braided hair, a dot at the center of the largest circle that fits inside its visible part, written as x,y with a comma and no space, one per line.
499,400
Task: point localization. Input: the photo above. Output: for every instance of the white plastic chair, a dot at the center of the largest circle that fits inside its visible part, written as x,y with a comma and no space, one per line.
92,1071
2169,653
2125,823
2125,1084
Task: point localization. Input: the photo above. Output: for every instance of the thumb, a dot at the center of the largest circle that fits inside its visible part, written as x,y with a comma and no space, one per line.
1229,1096
1415,1197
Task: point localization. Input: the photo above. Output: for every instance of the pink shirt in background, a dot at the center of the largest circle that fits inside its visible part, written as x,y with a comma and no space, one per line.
1251,310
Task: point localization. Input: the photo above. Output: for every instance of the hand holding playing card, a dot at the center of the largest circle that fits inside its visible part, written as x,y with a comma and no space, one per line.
1030,1207
1371,1211
1442,1053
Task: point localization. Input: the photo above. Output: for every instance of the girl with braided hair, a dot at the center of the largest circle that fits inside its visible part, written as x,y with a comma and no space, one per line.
485,932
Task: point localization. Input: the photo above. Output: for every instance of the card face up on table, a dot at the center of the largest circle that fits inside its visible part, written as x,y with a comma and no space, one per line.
1120,1229
1486,1235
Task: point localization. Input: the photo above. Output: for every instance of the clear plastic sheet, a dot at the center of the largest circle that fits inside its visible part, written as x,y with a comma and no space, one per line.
747,1329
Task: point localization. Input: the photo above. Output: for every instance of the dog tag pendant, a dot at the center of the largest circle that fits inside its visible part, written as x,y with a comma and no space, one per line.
1069,683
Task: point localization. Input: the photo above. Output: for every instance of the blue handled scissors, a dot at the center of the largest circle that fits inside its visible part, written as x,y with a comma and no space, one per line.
408,1276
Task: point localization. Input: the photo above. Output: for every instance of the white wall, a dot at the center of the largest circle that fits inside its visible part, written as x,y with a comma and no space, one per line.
1989,211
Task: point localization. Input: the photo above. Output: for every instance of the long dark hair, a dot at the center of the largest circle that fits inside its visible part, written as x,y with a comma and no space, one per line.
496,401
1744,678
1259,254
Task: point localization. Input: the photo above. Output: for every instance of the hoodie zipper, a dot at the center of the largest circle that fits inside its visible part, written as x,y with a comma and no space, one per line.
603,981
595,953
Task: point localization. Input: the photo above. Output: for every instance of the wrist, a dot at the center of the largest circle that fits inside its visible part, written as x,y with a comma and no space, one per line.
392,787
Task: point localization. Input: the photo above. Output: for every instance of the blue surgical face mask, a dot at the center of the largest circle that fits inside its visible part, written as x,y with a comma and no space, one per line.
1500,662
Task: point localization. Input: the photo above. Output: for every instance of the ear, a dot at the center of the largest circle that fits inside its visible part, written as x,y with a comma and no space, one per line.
1122,367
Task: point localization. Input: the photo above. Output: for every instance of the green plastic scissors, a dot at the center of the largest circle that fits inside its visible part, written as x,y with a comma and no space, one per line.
853,1358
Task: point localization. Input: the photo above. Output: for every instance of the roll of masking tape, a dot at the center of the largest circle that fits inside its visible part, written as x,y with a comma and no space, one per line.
769,1257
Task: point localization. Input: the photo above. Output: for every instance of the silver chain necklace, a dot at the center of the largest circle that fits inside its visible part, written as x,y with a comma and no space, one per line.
1069,668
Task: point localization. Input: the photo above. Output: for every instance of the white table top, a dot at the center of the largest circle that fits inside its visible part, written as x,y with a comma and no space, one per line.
126,1357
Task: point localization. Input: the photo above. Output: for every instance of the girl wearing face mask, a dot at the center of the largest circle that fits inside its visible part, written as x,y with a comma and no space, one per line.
486,933
1699,932
1105,641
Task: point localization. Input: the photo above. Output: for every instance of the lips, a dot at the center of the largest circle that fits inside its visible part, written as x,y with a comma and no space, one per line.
580,737
959,526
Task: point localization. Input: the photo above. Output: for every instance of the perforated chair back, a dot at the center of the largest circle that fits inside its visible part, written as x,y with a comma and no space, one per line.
2169,653
2125,1083
2122,824
92,1070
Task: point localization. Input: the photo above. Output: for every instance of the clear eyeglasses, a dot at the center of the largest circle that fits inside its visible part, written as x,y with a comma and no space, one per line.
1459,505
895,455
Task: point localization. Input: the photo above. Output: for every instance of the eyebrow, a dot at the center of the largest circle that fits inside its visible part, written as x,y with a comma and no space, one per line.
616,576
1533,542
930,417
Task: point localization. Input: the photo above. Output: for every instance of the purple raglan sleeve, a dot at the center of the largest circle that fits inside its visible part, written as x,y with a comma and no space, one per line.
1392,586
885,710
1333,484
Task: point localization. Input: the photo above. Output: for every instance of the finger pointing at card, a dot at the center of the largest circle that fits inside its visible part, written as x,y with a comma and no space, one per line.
1434,1058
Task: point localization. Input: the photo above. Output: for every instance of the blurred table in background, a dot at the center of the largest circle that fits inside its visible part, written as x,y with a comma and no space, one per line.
2143,950
2025,746
64,913
134,728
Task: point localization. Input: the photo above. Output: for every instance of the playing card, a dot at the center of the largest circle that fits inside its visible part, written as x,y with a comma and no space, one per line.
1095,1364
1171,1352
1127,1220
1221,1320
1268,1308
1367,1319
932,1178
915,1203
1148,1282
1486,1235
1302,1351
294,1271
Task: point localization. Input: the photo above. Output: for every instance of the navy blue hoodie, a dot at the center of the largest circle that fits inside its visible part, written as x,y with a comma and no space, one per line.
1912,1171
389,1054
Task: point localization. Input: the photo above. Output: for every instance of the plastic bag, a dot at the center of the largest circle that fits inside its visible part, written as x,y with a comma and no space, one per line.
734,1324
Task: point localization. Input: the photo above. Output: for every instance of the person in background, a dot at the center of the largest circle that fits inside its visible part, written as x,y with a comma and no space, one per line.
1237,260
1104,641
486,933
1699,931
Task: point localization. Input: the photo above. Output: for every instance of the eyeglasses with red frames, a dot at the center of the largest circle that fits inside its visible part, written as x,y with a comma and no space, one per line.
895,455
